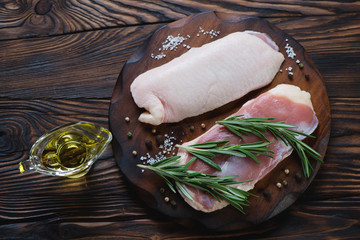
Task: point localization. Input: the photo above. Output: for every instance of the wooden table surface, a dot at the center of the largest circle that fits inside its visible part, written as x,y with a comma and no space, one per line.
59,62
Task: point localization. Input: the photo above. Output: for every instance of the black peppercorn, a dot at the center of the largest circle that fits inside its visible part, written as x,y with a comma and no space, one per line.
159,139
266,194
148,144
290,75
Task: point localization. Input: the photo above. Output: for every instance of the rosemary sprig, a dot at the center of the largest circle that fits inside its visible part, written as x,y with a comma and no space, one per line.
280,130
206,151
175,175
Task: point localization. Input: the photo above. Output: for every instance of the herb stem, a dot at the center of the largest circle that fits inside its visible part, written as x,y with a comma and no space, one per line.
280,130
177,175
208,150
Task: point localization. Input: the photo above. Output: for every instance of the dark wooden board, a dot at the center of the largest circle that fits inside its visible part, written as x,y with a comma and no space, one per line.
147,185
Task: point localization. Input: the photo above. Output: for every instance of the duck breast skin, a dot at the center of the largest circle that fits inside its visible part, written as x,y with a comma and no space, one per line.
207,77
284,103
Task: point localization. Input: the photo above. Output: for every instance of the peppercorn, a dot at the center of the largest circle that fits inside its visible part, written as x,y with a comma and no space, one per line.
278,185
290,75
134,153
166,199
148,144
301,65
287,171
285,182
203,125
173,203
298,177
266,194
129,134
127,119
192,128
162,190
307,77
159,139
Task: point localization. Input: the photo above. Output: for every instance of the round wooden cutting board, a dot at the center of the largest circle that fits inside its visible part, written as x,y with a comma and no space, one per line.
148,141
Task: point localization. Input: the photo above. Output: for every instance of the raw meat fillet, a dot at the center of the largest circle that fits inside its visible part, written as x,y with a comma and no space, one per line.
284,103
207,77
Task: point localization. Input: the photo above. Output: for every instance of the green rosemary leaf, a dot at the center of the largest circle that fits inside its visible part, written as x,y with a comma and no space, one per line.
206,160
209,150
183,190
218,187
280,130
209,144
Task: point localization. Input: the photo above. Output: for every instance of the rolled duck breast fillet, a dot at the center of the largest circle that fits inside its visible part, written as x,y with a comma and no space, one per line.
207,77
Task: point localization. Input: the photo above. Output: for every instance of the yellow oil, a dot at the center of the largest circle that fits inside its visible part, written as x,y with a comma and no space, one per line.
72,149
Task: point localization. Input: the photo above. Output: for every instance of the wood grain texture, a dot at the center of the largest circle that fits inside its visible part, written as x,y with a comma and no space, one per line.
81,64
31,18
102,205
46,40
87,64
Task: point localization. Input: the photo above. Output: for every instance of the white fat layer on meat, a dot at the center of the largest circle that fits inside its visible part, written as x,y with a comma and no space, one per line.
294,93
205,78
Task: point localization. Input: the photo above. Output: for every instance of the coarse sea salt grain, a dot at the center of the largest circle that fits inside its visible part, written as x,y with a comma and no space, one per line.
158,57
171,42
167,147
212,33
290,51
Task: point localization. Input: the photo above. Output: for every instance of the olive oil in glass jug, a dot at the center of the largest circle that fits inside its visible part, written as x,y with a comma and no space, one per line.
68,150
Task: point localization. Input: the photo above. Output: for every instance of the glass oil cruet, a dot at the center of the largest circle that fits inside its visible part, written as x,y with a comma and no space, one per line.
69,150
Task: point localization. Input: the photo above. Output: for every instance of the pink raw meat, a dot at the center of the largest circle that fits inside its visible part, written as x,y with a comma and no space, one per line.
284,103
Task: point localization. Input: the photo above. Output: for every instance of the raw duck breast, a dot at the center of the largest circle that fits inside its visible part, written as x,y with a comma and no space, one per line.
284,103
207,77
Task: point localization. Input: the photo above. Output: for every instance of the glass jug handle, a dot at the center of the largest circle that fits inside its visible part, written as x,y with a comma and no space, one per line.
28,164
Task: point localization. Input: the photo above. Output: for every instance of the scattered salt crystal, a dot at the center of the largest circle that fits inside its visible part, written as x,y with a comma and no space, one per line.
167,148
290,51
158,57
297,61
172,42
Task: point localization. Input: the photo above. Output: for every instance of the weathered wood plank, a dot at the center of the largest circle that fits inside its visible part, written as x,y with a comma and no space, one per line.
82,68
340,174
319,220
70,66
104,194
31,18
88,64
